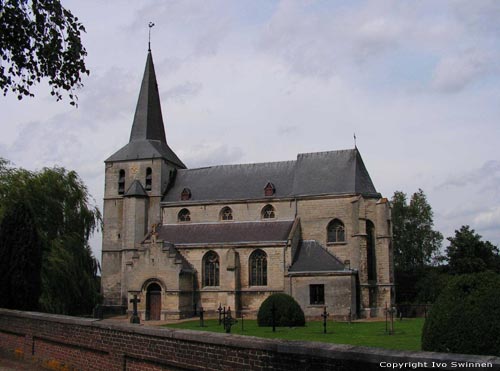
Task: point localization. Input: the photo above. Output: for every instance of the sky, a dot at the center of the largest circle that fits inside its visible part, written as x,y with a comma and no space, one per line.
257,81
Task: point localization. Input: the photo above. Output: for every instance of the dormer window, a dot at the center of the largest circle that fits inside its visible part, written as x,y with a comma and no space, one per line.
186,194
121,182
184,216
269,189
149,178
226,213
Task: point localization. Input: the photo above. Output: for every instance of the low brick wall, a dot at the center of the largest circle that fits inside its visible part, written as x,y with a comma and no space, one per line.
70,343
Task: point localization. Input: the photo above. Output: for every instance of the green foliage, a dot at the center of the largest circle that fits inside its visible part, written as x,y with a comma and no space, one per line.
466,316
20,259
40,40
414,240
288,311
468,254
65,220
430,284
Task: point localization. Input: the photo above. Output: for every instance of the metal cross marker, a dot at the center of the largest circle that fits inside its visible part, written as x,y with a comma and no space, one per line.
135,318
229,321
150,25
325,316
220,313
202,323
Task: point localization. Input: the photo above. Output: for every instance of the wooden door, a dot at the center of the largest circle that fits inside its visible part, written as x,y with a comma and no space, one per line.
154,305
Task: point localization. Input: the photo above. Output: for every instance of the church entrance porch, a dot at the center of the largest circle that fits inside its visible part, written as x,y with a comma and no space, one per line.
153,302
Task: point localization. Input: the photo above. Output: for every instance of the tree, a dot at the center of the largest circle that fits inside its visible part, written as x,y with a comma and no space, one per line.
20,259
40,40
466,316
287,311
414,240
65,220
468,254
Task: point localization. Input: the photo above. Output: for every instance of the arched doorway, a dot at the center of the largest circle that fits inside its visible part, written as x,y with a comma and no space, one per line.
153,302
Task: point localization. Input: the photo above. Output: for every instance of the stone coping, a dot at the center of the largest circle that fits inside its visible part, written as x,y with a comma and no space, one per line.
306,348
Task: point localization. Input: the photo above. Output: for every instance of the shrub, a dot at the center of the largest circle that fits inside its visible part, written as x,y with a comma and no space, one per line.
466,316
288,311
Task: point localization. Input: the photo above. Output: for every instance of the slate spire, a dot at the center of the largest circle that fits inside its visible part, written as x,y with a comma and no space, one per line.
147,138
148,120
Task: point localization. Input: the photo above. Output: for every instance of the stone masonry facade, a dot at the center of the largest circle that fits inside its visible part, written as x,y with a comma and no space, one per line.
183,239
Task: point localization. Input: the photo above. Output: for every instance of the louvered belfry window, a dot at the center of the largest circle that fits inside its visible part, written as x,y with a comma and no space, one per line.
149,179
121,182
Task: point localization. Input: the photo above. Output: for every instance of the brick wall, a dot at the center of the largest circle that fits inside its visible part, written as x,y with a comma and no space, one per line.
70,343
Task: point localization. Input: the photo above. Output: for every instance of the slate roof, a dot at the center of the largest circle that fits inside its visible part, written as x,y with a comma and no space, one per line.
333,172
312,257
225,232
147,138
135,190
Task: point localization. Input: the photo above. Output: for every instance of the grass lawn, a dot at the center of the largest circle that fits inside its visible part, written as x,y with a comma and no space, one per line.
407,334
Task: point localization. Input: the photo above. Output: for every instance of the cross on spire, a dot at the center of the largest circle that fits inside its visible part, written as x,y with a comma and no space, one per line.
150,25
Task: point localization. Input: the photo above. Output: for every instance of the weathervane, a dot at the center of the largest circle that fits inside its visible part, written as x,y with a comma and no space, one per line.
150,25
355,140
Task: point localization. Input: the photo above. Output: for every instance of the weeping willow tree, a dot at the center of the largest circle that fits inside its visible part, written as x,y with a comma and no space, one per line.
65,218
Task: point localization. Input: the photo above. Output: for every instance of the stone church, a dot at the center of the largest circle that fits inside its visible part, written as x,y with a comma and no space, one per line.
231,235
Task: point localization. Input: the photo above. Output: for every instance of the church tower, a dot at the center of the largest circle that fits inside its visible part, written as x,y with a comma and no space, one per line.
136,177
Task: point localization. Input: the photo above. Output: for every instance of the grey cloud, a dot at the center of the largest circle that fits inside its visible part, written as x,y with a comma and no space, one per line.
209,154
453,73
479,15
205,24
182,91
488,174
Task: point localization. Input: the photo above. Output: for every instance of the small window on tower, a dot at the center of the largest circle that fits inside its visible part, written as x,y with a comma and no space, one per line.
149,178
186,194
270,189
121,182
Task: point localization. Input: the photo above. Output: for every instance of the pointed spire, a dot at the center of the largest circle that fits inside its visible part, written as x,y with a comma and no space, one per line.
148,120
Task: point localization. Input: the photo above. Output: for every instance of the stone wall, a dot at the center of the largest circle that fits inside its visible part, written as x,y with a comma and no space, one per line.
61,342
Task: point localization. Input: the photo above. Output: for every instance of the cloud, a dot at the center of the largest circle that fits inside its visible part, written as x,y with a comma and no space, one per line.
453,73
182,91
209,154
488,220
488,174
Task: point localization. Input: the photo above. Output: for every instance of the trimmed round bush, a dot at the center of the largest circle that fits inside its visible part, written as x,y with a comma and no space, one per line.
466,316
288,311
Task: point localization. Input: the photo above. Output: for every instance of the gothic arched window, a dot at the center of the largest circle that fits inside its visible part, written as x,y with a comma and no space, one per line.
336,231
226,213
211,269
121,182
149,178
268,212
258,268
184,216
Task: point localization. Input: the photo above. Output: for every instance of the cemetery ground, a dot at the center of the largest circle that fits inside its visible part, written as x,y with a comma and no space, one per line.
407,333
